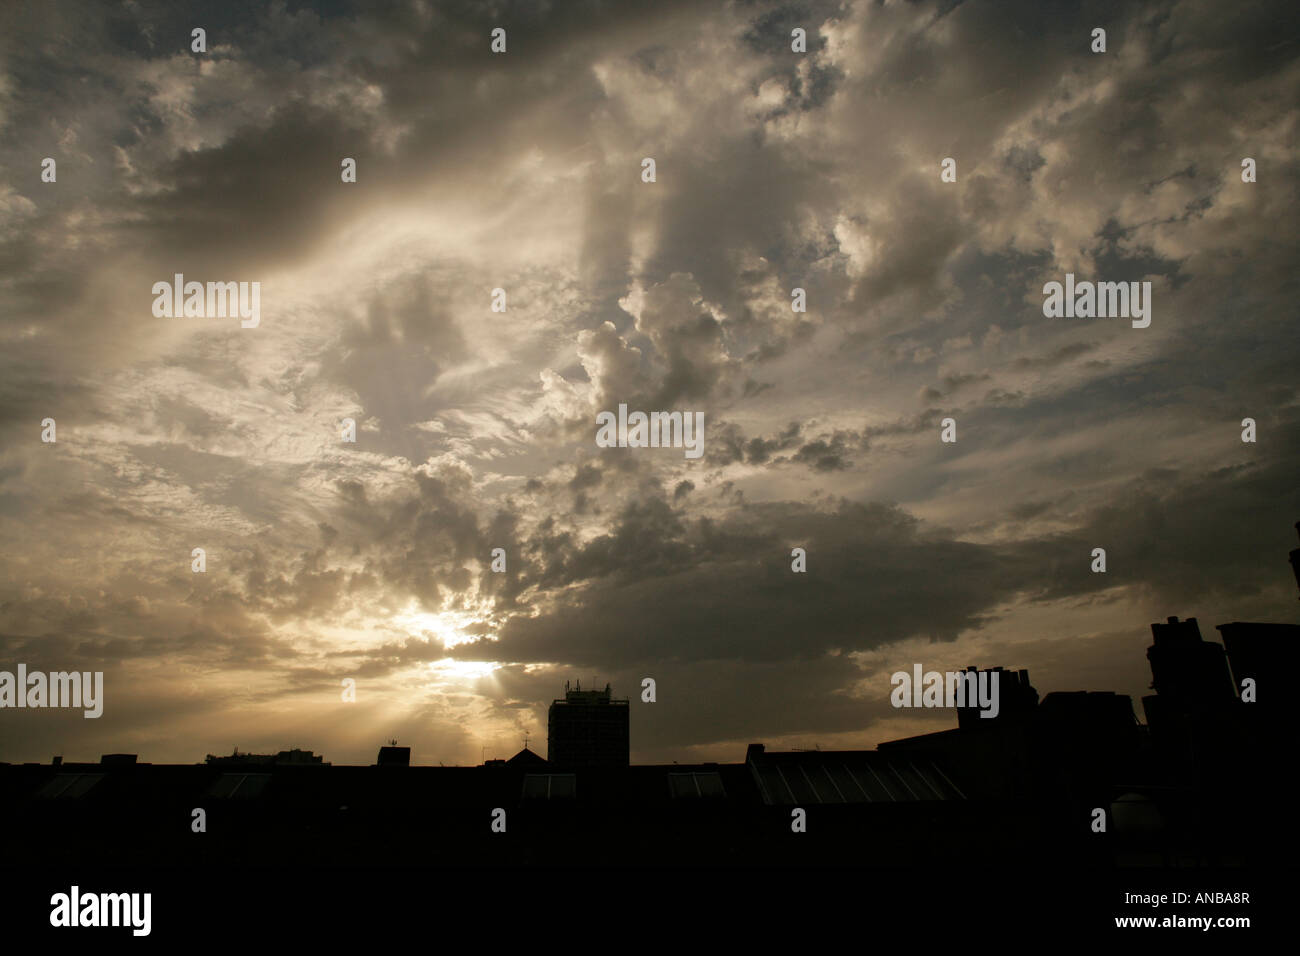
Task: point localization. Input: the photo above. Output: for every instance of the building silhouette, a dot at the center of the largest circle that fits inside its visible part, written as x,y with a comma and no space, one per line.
393,756
588,728
1182,790
1188,671
1017,700
294,757
1255,650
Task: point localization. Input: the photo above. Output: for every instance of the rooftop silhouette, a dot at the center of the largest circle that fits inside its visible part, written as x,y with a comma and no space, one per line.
1027,781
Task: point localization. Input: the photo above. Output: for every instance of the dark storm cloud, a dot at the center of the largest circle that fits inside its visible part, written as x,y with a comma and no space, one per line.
655,582
824,455
727,444
424,540
1216,537
109,635
826,452
264,197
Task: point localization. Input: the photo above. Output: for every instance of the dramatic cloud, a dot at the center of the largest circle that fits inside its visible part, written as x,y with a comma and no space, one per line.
775,171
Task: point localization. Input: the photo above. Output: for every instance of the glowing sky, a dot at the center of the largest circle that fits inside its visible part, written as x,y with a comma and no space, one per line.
521,171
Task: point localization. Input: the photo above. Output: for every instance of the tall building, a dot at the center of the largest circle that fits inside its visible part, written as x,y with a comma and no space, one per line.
588,728
1267,654
1192,714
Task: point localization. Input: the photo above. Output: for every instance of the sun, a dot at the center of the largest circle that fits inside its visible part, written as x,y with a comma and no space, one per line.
450,627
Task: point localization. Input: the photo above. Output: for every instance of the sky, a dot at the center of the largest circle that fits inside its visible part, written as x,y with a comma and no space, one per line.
522,170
